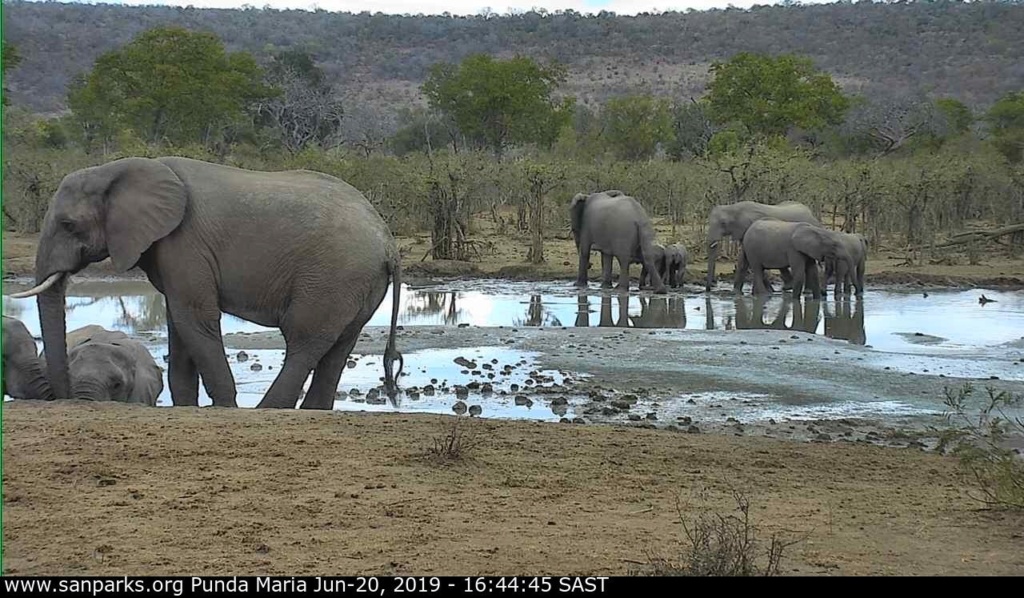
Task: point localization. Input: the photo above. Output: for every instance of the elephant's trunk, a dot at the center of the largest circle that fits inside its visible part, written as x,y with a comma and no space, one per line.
36,384
90,390
713,245
52,321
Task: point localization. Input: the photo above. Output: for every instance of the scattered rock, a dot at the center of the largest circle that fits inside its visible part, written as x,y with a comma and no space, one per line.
693,430
459,407
523,401
256,367
633,417
242,357
351,364
428,390
475,410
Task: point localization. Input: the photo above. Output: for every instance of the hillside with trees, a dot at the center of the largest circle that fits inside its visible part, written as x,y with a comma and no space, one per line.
967,51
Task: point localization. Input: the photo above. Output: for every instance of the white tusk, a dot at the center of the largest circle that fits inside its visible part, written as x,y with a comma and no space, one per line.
39,288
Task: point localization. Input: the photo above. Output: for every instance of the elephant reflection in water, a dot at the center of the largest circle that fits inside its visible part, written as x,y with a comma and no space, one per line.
535,315
660,312
583,311
750,314
846,321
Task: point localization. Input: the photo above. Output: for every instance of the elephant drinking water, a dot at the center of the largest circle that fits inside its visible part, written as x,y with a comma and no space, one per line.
733,220
298,250
616,225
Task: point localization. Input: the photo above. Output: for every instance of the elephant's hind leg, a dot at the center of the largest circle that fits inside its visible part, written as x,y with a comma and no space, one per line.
328,373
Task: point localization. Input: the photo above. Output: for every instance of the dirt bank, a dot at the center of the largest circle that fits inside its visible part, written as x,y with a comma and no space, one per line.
505,259
115,489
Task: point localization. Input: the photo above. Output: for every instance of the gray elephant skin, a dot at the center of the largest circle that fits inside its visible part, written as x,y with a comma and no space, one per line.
658,254
733,220
799,246
298,250
108,365
846,278
23,374
674,265
617,226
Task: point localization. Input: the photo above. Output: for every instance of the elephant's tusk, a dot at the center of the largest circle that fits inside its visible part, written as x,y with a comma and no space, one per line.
39,288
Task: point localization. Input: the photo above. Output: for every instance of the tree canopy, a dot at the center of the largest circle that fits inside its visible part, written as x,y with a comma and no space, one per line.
1006,119
168,84
636,125
769,95
498,103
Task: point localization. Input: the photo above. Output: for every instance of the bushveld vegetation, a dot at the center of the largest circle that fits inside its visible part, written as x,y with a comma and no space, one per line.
502,138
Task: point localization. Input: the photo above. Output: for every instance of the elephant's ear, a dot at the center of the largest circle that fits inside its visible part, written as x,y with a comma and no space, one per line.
149,383
145,201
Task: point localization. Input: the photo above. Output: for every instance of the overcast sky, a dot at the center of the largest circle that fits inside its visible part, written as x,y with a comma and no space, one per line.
462,7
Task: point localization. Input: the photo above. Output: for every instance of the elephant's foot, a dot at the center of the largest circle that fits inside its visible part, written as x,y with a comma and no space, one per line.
582,284
662,290
622,288
606,284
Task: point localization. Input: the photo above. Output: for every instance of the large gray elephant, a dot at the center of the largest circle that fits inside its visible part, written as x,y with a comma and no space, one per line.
298,250
733,220
23,376
616,225
799,246
674,265
845,278
108,365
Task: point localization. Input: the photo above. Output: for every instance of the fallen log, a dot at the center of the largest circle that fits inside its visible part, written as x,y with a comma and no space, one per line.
976,235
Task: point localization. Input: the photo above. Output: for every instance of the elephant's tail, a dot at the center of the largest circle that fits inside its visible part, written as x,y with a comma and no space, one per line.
390,352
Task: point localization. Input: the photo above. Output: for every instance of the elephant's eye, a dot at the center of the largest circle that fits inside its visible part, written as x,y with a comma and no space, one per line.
68,226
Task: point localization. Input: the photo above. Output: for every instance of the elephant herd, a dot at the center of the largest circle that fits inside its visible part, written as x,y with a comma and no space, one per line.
306,252
785,237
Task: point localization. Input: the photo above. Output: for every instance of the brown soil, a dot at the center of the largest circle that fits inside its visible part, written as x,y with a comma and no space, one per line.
499,258
118,489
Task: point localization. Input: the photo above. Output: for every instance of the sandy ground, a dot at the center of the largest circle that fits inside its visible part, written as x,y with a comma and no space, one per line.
115,489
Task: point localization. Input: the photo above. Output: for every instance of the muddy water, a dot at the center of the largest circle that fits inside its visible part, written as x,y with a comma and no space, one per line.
946,333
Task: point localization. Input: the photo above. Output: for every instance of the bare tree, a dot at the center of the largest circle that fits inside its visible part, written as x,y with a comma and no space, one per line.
307,110
367,127
889,122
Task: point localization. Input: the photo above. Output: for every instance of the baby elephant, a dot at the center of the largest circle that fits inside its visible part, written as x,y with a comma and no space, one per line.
107,365
23,376
674,265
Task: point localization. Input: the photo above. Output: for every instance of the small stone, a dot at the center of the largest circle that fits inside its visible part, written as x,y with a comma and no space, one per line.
463,325
475,410
693,430
652,416
242,357
461,392
559,401
486,388
565,420
350,364
256,367
459,407
579,420
633,417
823,437
428,390
523,401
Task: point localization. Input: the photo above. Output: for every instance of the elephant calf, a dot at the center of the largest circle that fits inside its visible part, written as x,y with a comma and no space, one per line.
107,365
674,265
799,246
23,376
852,275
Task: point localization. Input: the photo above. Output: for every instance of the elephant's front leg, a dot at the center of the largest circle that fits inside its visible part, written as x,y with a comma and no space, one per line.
787,278
798,263
182,375
741,274
812,278
584,264
606,271
759,275
198,328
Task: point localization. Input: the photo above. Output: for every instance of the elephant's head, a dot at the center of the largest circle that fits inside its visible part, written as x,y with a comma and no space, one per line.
576,207
719,226
23,376
821,244
116,210
107,365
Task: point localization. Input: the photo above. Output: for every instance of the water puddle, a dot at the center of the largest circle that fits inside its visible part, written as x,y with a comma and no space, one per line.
946,333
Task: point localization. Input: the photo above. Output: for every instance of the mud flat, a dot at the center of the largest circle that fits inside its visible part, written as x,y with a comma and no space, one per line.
115,489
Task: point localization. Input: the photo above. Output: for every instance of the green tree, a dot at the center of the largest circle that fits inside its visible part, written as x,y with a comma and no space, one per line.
10,60
769,95
635,125
1006,121
692,130
958,117
500,103
169,85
